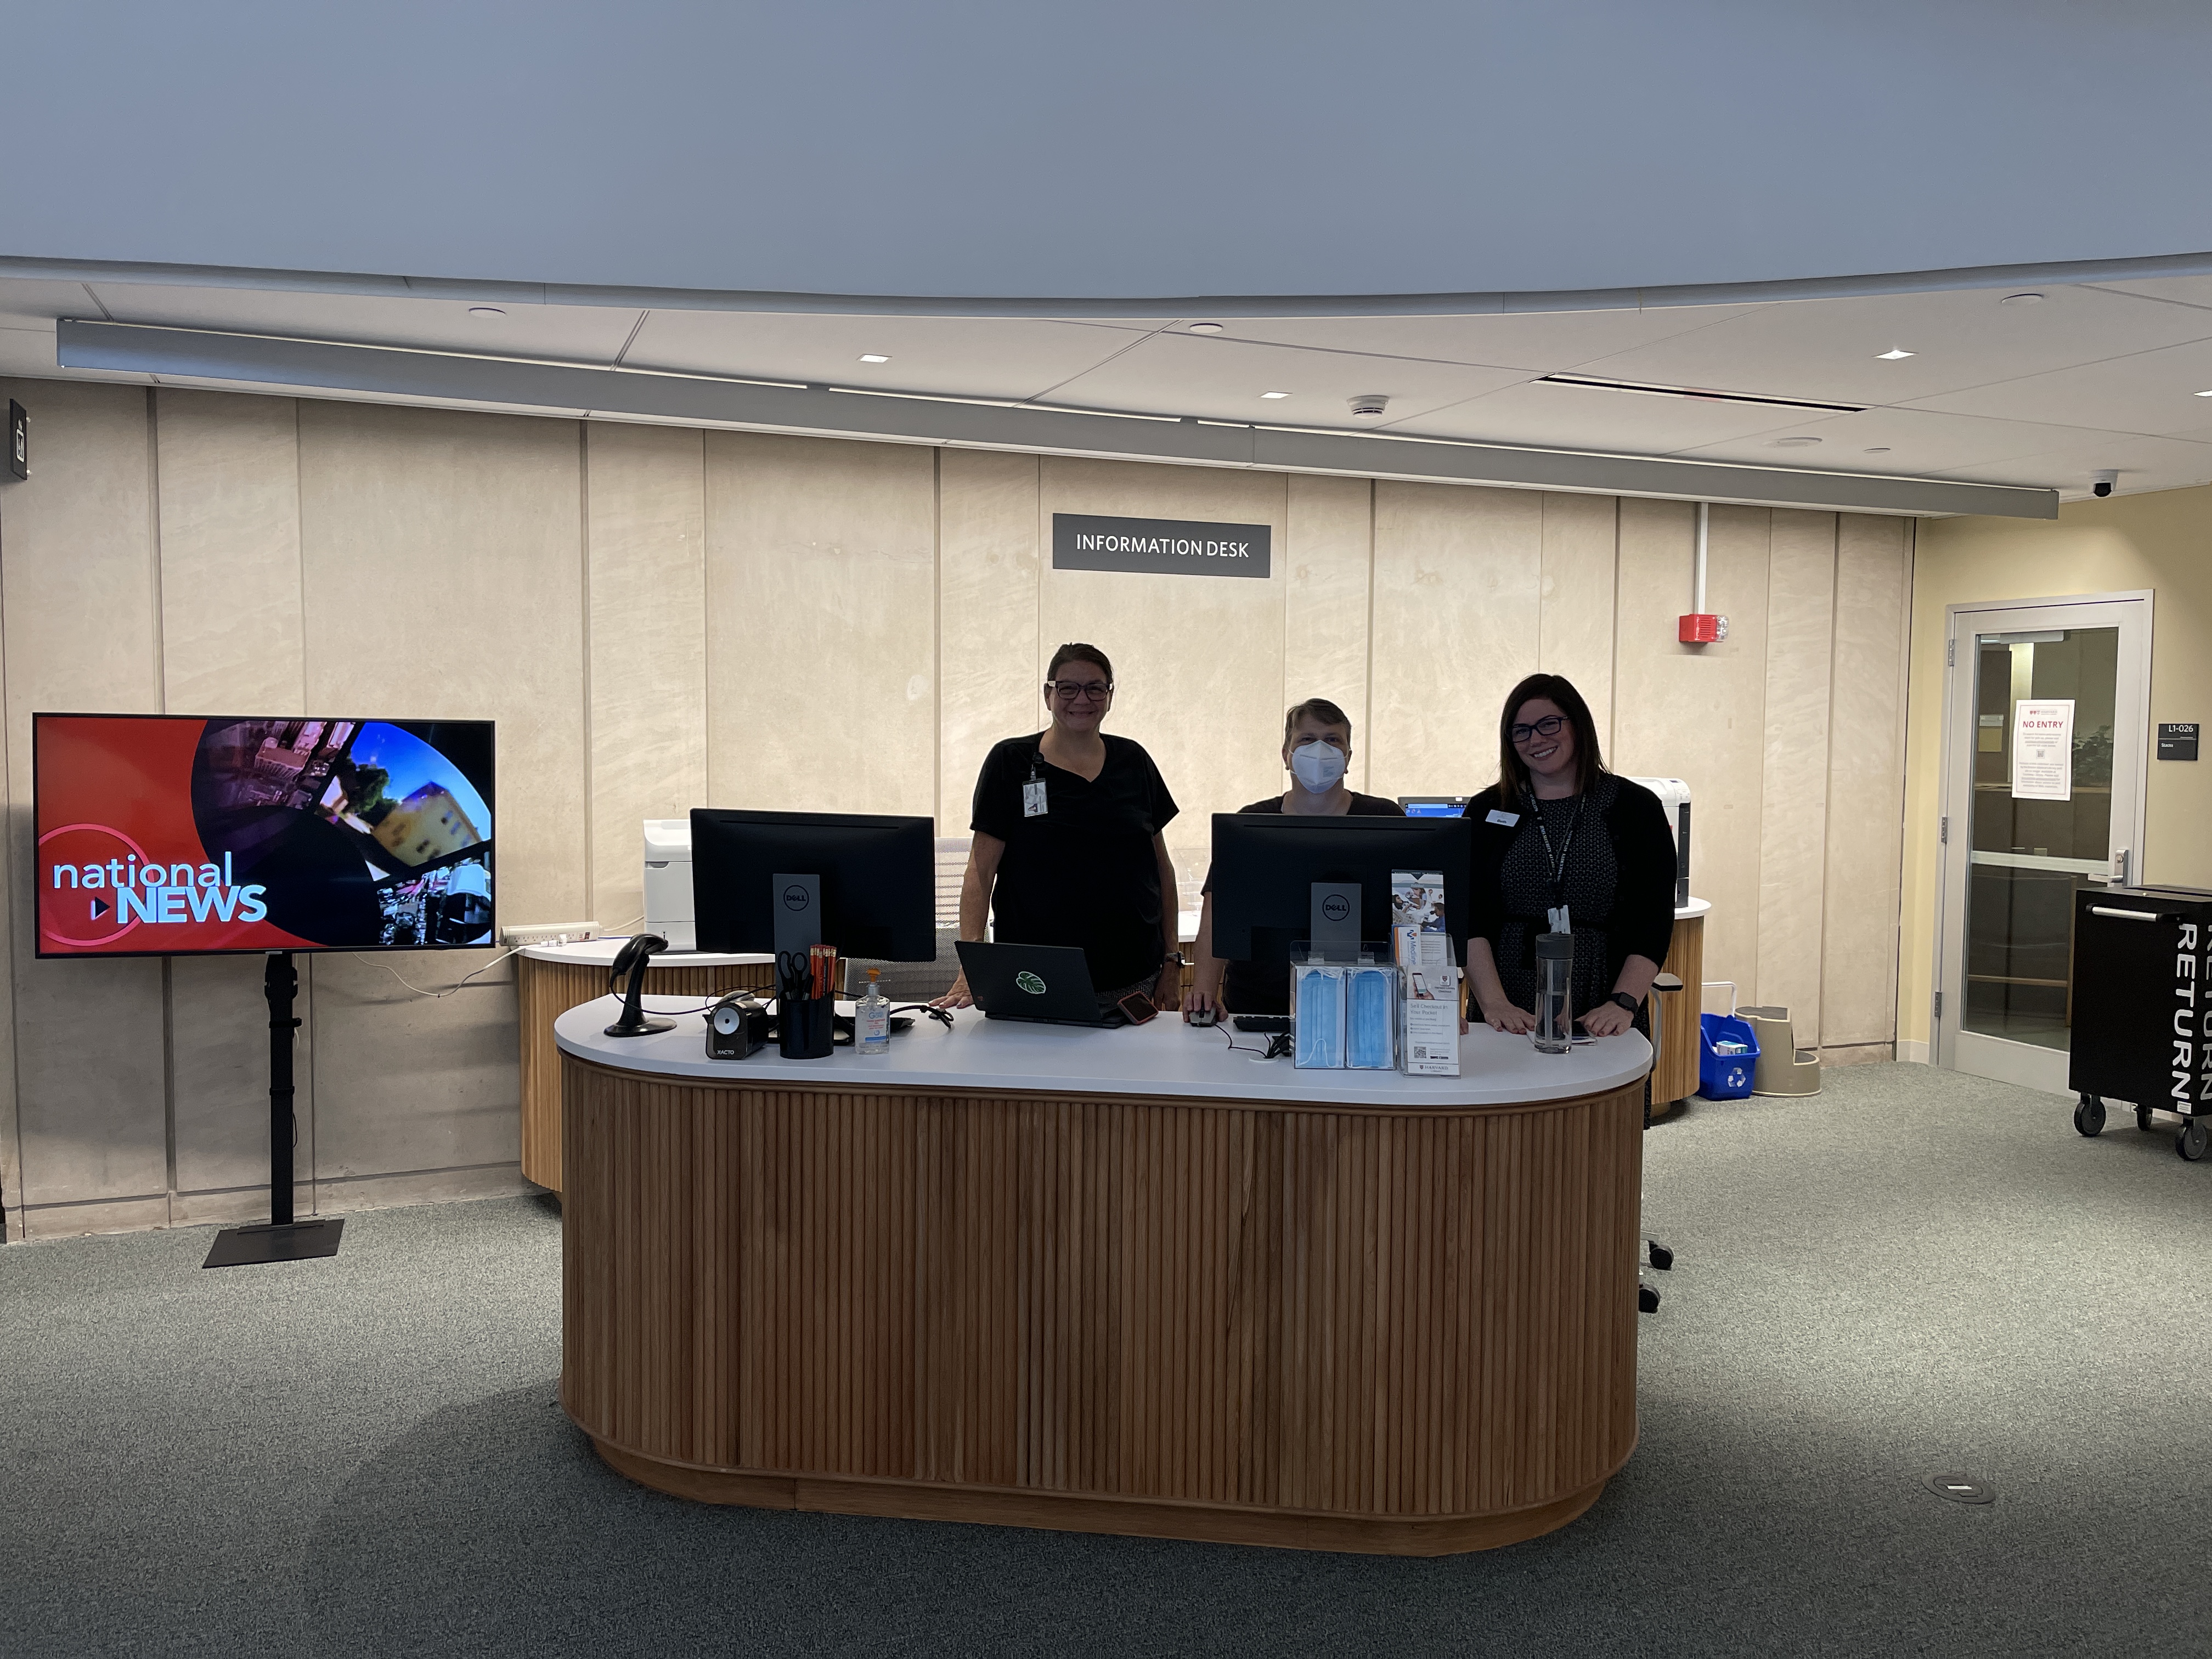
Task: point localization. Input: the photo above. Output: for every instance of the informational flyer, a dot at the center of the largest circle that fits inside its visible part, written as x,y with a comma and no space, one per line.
2043,749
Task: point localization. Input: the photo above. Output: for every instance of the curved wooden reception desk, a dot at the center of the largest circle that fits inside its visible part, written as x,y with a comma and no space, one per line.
552,979
1108,1281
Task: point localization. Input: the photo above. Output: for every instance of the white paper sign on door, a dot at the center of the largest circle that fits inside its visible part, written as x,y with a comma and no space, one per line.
2043,749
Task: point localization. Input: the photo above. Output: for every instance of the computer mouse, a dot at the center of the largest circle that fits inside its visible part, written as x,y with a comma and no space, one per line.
1203,1016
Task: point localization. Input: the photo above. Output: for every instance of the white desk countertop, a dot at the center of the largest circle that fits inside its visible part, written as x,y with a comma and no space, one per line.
1696,906
601,952
1165,1057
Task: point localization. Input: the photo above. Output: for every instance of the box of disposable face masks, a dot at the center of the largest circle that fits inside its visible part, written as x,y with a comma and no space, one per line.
1317,1016
1428,1044
1371,1018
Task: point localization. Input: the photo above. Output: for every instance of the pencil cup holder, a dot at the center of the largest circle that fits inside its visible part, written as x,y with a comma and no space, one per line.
807,1026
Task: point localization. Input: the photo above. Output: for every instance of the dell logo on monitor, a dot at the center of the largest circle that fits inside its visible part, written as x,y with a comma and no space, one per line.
794,897
1336,908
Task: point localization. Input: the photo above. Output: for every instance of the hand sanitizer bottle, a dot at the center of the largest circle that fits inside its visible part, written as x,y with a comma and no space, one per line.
874,1024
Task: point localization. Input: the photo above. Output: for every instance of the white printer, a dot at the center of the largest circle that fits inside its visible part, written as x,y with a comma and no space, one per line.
1674,796
668,882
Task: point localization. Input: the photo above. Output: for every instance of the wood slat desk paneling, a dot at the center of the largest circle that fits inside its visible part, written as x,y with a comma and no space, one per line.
1675,1079
1353,1328
546,990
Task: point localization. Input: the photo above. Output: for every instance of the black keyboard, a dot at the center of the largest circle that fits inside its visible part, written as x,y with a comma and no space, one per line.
1264,1023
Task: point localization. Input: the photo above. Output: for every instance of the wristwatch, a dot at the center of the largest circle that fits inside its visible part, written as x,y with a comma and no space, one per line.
1625,1001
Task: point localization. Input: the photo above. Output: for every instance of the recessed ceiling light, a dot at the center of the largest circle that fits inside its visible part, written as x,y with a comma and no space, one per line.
1206,328
486,310
1274,394
873,357
1796,443
2021,300
1878,449
1893,354
2200,394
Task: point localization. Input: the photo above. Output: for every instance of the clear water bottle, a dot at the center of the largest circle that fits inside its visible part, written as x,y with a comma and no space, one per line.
1555,983
872,1026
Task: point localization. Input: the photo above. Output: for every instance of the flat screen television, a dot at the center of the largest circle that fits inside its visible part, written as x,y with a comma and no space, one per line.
178,834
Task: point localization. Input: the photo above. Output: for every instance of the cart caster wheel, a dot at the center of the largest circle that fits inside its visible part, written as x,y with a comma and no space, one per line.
2191,1142
2143,1116
2089,1116
1647,1299
1661,1257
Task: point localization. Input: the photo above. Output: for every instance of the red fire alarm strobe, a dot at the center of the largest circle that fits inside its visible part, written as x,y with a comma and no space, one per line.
1702,627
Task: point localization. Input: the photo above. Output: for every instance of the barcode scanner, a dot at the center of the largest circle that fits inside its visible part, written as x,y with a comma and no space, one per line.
634,958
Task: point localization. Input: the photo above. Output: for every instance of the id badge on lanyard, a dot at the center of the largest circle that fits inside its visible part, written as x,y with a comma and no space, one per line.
1034,803
1555,866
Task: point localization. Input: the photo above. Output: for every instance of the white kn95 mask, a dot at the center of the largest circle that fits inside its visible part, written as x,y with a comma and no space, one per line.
1318,766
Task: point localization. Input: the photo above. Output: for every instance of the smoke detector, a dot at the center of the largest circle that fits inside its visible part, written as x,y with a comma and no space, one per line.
1370,403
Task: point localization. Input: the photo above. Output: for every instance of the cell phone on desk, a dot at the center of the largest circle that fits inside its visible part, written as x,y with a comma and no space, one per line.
1137,1007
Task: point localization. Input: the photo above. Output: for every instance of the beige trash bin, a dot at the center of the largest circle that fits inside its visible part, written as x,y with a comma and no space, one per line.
1783,1068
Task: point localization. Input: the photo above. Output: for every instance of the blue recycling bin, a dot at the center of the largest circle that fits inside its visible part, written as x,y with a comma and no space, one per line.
1725,1076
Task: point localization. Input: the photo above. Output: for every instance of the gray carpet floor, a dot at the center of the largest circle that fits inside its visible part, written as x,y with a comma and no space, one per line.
1916,1273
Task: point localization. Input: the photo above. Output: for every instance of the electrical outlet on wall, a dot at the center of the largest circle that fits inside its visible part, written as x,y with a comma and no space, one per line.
551,932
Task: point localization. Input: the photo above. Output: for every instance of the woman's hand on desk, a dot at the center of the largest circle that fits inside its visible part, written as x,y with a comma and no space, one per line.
959,996
1607,1020
1504,1016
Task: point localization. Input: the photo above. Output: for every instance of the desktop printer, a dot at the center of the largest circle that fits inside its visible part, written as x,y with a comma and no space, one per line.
1674,797
668,882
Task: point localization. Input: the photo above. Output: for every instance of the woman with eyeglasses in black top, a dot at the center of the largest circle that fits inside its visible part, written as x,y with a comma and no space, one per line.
1563,845
1068,848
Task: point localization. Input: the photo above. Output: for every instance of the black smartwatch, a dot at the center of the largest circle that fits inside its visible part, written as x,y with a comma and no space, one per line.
1625,1001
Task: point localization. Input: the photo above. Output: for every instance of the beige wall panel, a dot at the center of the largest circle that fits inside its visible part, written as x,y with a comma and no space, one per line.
1328,563
83,635
987,616
1866,780
229,482
1458,574
820,586
418,526
1698,712
405,1083
1792,824
645,539
1580,538
1198,659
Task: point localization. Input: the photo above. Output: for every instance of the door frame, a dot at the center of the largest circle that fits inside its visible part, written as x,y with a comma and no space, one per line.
2016,1062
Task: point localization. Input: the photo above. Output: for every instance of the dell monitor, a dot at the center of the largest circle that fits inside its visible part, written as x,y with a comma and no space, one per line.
863,882
1267,864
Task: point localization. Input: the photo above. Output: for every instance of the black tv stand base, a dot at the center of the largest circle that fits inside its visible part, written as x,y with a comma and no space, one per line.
294,1241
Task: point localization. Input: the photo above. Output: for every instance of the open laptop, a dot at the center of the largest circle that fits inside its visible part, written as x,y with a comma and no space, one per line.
1050,983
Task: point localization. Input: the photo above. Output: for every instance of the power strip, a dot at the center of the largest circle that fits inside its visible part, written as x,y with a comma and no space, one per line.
550,933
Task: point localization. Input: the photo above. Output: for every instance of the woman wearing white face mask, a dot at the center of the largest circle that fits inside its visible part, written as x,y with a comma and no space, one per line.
1316,750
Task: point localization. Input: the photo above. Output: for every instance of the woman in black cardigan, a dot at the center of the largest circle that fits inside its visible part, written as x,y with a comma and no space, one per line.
1560,840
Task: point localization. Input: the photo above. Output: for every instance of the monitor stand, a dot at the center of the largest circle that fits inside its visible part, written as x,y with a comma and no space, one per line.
283,1239
796,904
1335,921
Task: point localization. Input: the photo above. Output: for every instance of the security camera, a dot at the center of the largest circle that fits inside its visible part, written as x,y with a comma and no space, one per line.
1370,403
2100,483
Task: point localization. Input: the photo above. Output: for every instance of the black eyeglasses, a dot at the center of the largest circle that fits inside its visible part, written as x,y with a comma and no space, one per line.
1547,727
1075,690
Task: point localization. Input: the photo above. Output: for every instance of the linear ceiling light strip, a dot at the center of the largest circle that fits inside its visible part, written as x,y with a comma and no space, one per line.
261,360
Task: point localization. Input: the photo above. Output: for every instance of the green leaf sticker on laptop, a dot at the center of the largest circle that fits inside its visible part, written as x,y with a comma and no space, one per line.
1030,982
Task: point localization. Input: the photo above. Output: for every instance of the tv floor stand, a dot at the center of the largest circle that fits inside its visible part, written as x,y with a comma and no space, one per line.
282,1239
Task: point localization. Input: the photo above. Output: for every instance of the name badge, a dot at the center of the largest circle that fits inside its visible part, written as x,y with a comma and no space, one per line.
1033,801
1561,921
1508,819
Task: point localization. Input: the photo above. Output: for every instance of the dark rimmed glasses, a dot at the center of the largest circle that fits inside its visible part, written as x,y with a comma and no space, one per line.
1079,691
1547,727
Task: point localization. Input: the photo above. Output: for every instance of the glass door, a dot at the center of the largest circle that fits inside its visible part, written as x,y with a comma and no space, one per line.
2046,729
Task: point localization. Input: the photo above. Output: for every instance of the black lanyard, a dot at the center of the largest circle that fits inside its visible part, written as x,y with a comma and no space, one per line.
1555,864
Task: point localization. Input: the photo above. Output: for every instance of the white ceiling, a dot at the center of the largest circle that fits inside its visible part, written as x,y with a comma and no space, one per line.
2092,376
